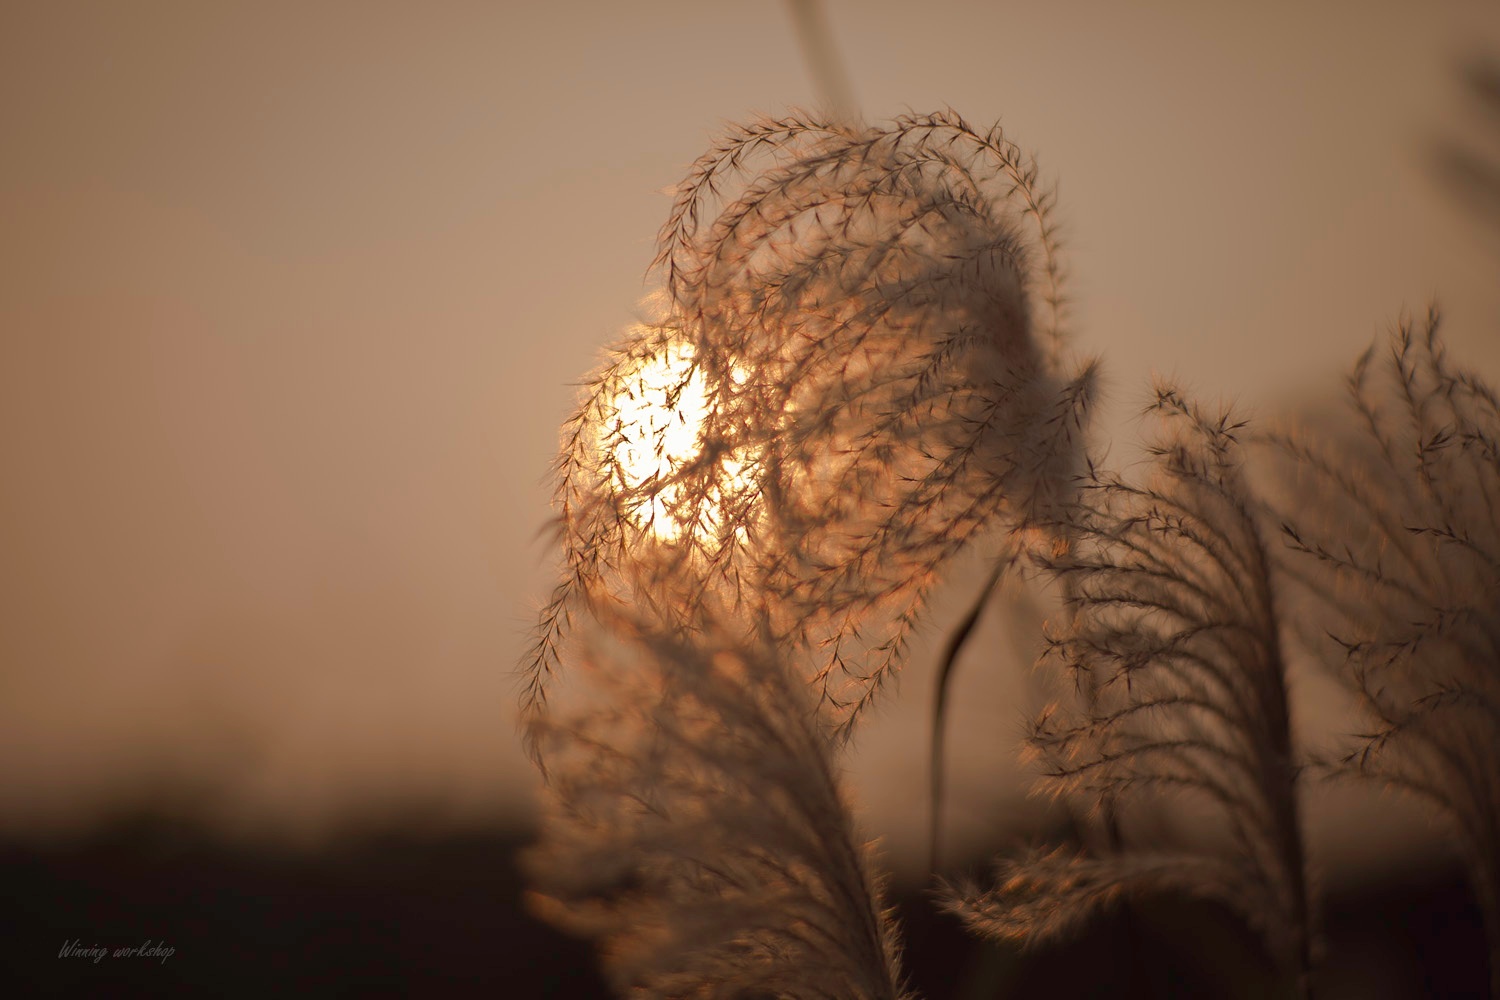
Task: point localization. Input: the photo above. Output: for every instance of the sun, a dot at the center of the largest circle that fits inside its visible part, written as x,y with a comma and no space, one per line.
655,431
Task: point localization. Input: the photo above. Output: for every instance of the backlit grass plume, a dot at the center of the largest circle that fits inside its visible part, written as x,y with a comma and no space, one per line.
696,829
854,373
1397,540
1174,648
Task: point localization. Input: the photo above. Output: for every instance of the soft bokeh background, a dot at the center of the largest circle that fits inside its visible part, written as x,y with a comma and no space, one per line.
293,298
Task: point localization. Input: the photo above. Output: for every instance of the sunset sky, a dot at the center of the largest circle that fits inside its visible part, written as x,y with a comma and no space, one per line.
295,297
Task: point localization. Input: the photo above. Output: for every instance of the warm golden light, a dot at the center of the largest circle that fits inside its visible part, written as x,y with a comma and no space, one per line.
656,432
659,415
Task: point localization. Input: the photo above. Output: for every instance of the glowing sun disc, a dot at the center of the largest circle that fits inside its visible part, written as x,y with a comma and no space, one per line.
656,430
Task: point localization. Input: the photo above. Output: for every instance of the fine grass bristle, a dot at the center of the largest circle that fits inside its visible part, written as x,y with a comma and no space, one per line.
696,828
1394,542
1172,642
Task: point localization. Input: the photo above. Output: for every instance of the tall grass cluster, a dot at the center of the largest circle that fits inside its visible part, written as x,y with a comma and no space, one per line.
858,369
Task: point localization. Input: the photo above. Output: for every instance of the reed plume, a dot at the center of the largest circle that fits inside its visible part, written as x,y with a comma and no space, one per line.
868,322
1395,540
695,826
1179,686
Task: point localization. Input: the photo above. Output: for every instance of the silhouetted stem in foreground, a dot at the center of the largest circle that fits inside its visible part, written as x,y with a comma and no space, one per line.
955,645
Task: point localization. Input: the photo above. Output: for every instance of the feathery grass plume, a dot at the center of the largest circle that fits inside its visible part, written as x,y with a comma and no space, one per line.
1174,649
869,324
695,826
1397,541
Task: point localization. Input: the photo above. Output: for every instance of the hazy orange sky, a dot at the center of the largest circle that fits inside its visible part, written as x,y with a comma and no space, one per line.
294,296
